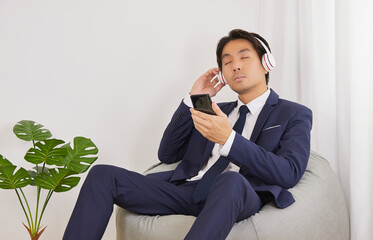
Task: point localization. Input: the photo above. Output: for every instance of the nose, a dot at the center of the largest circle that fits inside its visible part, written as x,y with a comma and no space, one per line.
236,69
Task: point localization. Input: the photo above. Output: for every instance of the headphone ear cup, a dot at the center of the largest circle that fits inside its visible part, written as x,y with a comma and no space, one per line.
272,61
268,62
222,76
264,62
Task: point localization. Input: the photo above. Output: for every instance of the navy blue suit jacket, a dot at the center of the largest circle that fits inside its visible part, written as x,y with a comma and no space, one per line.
272,160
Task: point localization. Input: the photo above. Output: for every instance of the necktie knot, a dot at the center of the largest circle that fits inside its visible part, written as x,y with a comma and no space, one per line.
243,110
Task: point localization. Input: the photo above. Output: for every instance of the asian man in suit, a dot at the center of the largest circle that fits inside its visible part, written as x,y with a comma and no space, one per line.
232,163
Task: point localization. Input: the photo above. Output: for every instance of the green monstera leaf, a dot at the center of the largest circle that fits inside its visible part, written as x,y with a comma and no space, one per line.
33,173
58,180
4,162
29,130
81,157
12,180
48,152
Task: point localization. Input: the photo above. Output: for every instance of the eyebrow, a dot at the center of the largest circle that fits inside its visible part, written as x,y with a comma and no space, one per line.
241,51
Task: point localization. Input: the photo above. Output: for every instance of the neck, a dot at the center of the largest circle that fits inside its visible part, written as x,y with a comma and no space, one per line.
249,96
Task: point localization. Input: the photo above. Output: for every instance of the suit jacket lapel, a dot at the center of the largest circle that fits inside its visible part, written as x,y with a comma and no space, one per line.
264,114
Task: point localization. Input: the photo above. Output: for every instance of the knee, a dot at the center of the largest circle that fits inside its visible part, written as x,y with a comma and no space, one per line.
233,184
231,179
100,172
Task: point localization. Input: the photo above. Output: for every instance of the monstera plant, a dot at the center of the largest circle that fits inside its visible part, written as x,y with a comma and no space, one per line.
56,166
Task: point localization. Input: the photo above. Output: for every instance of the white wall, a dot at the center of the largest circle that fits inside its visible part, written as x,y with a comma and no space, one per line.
113,71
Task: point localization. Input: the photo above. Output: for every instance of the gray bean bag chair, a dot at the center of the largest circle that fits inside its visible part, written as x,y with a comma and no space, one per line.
319,213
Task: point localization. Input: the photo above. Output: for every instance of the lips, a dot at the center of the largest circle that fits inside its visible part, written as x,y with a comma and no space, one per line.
238,77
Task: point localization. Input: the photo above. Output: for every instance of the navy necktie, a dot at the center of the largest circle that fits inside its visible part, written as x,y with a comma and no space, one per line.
203,187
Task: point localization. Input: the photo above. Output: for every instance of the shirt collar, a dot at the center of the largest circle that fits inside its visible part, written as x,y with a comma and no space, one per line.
256,104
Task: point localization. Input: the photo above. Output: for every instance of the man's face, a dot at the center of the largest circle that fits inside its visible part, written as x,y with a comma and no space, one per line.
242,67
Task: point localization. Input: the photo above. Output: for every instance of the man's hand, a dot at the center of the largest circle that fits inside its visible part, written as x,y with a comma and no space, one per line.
215,128
203,84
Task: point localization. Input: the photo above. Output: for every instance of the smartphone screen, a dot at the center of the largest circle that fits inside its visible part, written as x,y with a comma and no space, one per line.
202,102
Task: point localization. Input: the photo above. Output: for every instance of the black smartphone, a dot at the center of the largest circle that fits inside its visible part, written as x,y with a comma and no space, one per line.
202,102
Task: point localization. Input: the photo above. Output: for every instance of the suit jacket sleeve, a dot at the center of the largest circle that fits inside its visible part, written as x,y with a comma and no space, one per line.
280,155
175,138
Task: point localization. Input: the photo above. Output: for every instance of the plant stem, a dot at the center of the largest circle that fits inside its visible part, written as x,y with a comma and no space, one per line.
37,208
37,203
24,210
29,211
44,206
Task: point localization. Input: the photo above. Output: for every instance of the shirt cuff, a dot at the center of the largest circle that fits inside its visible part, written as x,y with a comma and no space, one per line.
224,151
188,101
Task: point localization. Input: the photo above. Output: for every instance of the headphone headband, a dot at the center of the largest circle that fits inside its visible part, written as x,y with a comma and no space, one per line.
264,46
268,61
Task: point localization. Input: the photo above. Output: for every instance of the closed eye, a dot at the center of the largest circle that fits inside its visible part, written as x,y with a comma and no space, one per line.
227,63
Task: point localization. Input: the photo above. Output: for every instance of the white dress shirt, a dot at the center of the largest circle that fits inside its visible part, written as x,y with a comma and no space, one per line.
255,107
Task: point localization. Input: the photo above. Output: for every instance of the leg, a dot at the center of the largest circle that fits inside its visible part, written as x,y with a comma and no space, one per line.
231,199
108,185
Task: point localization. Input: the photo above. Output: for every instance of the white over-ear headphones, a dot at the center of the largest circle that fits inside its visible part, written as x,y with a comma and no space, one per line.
268,61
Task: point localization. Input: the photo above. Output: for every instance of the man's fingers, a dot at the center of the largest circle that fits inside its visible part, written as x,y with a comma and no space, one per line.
200,114
201,119
217,110
219,87
211,73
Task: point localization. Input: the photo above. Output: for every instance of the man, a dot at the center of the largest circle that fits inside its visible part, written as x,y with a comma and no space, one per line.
231,164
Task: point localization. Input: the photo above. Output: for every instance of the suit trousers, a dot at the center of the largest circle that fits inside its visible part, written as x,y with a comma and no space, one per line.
231,199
